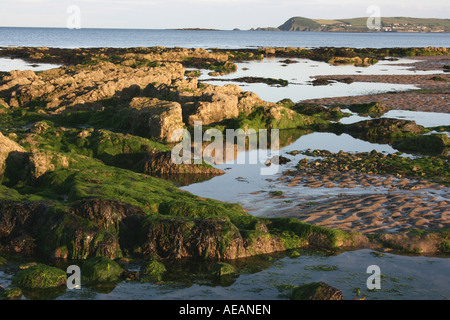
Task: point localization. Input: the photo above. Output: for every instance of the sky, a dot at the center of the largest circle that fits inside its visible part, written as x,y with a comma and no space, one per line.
216,14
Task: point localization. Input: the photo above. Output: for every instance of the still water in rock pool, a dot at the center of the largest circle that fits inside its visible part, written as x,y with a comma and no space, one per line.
300,74
402,277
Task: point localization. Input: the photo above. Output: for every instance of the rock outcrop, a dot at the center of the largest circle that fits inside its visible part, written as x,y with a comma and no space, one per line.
88,228
8,148
207,239
216,108
383,129
159,118
83,87
158,163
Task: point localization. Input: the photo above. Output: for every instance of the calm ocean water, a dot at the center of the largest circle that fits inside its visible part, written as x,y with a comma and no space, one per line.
85,38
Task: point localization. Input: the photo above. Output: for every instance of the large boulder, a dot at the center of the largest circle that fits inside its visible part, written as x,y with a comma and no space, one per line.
159,163
159,118
217,107
383,130
153,271
101,269
40,276
248,101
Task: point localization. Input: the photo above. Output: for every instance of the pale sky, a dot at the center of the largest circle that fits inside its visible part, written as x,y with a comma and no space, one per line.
219,14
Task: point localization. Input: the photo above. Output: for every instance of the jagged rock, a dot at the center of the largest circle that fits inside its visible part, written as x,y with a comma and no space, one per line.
248,101
218,107
159,118
3,104
88,228
8,148
83,87
105,213
159,163
211,239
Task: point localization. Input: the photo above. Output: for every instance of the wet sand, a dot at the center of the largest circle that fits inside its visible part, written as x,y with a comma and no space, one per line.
390,203
434,99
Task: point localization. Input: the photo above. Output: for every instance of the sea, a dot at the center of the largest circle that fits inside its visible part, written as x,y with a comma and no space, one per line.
126,38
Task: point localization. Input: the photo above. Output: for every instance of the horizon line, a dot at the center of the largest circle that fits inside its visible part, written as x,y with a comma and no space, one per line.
206,28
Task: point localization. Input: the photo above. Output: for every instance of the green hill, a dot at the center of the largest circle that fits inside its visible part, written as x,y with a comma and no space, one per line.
300,24
388,24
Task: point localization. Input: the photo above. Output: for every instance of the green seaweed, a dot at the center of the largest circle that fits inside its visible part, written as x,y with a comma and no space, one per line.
101,269
40,277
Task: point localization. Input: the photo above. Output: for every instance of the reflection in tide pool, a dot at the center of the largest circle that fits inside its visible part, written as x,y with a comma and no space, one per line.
404,277
242,179
426,119
301,74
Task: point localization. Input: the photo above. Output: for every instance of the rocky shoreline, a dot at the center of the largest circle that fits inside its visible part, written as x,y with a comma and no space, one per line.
85,161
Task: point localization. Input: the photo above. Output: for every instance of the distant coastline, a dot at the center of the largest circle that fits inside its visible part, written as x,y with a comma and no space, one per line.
386,24
196,29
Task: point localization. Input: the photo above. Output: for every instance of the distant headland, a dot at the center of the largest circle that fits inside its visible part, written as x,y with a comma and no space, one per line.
391,24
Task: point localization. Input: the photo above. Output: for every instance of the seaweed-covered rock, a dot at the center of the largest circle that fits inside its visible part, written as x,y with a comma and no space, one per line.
160,163
383,130
222,269
371,109
40,276
11,294
427,243
178,238
152,271
88,228
101,269
294,254
316,291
